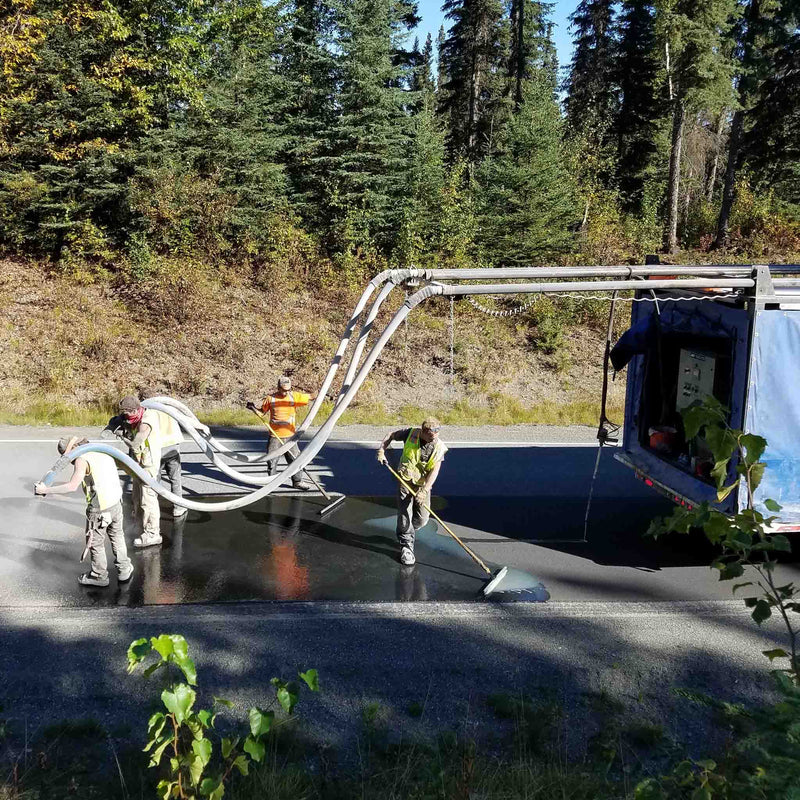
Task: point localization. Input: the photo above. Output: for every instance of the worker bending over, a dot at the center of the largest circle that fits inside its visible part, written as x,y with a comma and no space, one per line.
423,453
171,440
97,474
146,448
280,408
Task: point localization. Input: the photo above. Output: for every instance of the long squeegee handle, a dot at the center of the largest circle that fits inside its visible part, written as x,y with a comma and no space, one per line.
307,474
475,558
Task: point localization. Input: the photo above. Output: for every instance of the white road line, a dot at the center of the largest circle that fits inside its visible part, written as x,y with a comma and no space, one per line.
367,442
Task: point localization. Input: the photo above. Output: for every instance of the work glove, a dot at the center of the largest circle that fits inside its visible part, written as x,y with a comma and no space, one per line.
382,457
424,496
40,489
251,405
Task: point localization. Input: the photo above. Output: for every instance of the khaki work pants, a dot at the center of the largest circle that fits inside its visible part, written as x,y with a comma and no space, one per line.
151,513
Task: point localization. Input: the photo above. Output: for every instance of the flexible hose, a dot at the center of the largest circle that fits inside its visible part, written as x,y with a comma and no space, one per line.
314,445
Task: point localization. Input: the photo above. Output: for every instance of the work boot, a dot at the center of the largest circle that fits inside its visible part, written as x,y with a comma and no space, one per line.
303,486
125,575
90,579
147,540
407,557
179,511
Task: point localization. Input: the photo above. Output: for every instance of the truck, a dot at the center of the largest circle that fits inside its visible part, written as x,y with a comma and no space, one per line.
742,348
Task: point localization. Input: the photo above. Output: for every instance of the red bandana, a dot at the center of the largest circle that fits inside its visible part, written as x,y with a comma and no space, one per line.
135,417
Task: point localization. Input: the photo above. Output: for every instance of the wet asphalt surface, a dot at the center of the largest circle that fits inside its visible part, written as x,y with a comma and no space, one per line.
274,588
518,504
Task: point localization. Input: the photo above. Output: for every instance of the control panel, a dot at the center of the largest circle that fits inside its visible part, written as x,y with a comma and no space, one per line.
696,370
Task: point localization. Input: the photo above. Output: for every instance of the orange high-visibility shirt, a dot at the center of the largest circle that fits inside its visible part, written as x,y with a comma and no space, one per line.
281,411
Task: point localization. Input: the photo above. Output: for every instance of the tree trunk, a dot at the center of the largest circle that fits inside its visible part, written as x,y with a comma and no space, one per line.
711,177
670,243
729,189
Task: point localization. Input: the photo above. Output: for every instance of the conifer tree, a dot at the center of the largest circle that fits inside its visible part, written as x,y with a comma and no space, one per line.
369,138
531,46
699,73
591,97
772,141
471,59
309,71
526,201
760,35
636,76
441,76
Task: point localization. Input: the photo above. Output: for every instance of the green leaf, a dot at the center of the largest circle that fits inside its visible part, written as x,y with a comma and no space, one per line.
164,789
155,725
723,493
204,718
771,505
155,756
228,745
202,749
241,764
706,764
208,787
311,679
776,653
179,703
720,472
722,442
754,447
761,611
196,767
254,748
163,645
781,543
260,721
694,418
756,474
186,666
729,571
223,702
137,652
740,586
287,697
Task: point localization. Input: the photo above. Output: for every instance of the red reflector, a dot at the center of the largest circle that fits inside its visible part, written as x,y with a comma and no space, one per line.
689,507
648,481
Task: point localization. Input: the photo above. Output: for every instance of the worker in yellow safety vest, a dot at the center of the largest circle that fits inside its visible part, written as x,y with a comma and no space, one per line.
423,453
280,407
97,474
145,445
171,440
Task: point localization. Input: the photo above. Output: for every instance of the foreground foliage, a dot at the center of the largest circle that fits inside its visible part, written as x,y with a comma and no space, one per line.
181,737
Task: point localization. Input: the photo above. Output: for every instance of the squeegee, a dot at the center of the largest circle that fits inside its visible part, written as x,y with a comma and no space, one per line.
495,578
332,504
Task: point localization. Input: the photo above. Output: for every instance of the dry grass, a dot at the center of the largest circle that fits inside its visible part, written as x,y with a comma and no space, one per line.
70,351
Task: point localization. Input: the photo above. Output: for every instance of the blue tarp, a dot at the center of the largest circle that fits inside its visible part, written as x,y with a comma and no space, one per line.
773,408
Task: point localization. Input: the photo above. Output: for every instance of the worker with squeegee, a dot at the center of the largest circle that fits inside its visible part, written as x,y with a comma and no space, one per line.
420,462
423,453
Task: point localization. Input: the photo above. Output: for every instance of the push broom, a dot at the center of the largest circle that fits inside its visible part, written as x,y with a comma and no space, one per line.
495,578
332,504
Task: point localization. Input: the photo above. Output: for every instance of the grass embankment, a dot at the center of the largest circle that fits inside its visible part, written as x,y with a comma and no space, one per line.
71,350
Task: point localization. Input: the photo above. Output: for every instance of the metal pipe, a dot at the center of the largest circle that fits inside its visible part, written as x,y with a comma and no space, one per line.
583,272
596,286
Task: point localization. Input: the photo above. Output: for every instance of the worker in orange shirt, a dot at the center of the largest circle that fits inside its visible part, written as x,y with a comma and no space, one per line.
280,407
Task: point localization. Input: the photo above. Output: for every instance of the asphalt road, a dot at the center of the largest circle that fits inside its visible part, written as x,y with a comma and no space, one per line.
626,617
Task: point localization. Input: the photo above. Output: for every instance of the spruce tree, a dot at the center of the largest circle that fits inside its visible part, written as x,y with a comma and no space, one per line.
369,138
699,74
760,36
771,146
531,46
636,76
526,196
471,59
591,96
